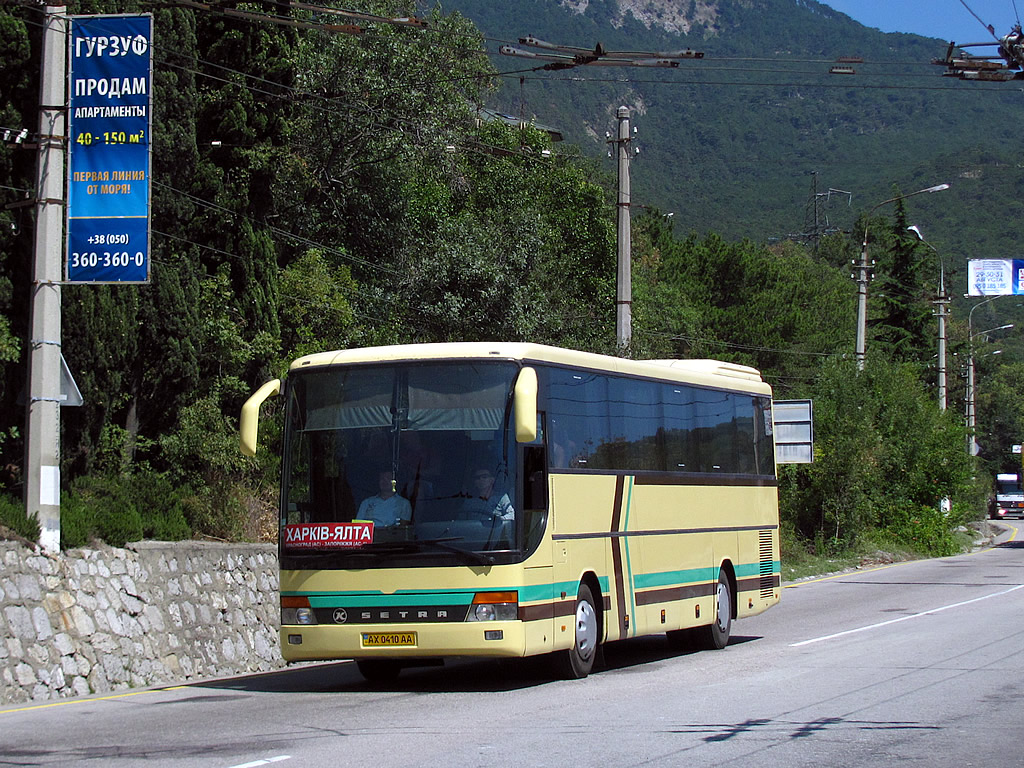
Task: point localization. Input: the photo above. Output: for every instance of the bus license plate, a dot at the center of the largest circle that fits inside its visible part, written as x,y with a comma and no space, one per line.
388,639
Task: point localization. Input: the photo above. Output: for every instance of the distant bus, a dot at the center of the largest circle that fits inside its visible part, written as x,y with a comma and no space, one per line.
1009,498
509,500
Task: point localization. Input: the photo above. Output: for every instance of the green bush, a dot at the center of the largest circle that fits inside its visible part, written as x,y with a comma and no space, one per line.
161,506
12,515
98,508
118,509
925,530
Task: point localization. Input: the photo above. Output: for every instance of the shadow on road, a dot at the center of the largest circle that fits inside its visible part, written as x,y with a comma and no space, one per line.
457,675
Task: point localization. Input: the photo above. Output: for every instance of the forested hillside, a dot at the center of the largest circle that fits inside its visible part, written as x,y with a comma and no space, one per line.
315,188
739,141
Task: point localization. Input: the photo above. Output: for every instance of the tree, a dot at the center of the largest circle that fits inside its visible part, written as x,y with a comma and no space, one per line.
883,451
776,308
901,317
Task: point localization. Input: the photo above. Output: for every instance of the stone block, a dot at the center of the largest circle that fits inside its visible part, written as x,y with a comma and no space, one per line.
154,617
19,622
39,654
114,621
25,675
10,589
41,621
14,648
63,643
80,686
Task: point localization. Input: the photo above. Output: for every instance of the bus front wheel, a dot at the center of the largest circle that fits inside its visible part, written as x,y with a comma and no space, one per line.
578,661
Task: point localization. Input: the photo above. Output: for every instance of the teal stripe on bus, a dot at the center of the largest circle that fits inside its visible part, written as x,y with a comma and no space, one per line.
693,575
754,569
531,594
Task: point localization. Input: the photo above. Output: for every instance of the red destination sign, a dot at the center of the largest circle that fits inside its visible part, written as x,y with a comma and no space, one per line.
327,535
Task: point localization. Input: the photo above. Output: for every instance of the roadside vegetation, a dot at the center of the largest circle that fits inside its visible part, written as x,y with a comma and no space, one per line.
358,197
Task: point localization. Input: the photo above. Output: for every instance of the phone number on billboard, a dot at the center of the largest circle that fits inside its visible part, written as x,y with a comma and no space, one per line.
106,259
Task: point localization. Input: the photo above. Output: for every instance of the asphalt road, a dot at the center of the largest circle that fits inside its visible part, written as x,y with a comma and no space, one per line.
913,664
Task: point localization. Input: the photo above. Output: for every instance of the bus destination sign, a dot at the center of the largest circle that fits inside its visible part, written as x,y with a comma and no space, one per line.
109,142
327,535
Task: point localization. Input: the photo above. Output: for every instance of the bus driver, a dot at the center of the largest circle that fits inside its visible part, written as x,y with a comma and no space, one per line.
487,501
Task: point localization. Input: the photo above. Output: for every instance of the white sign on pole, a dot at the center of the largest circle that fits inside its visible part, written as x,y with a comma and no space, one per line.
794,431
995,277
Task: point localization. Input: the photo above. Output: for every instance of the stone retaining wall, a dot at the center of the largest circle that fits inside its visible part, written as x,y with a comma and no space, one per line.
102,620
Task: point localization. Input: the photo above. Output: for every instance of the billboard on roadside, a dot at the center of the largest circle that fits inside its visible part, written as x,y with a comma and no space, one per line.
995,277
110,132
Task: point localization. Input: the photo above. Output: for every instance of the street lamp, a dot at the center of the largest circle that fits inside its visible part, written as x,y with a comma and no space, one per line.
862,277
942,302
972,444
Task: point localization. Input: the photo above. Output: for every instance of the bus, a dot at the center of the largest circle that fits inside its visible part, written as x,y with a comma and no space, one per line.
515,499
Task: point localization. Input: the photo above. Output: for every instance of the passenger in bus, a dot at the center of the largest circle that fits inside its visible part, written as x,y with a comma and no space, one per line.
387,508
488,501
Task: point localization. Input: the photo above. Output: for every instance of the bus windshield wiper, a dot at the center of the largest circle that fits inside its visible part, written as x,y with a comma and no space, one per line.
468,554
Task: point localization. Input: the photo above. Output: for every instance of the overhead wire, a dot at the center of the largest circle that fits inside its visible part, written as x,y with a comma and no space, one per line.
845,85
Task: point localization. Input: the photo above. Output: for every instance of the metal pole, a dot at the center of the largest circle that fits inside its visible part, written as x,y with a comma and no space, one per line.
42,443
969,408
943,303
862,301
624,291
971,444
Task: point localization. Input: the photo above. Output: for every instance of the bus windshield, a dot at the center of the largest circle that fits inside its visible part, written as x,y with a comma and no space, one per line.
400,464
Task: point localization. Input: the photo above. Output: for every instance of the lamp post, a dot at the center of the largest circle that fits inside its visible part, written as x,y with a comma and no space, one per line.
942,302
862,276
972,444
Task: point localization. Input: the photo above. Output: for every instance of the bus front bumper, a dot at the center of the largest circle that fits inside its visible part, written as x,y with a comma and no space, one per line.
321,642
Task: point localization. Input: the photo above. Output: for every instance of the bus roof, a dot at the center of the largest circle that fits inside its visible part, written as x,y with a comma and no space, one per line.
713,373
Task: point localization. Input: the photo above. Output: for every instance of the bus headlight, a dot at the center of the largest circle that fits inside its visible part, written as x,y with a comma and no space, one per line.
494,606
296,610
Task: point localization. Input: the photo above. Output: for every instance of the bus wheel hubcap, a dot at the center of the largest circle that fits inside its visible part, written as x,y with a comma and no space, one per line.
586,629
724,609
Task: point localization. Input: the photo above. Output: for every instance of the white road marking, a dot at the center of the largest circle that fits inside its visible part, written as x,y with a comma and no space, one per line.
904,618
268,761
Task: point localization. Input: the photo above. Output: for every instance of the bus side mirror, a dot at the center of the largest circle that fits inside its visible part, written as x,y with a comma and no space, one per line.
525,402
248,426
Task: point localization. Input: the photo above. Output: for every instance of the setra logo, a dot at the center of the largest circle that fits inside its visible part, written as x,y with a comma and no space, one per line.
340,616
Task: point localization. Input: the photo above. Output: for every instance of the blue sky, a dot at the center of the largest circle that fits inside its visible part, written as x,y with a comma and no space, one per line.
945,19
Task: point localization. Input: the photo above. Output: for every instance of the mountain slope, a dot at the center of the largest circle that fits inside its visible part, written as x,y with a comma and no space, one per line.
737,142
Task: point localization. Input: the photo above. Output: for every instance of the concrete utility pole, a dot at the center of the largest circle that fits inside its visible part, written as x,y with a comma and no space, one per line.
862,275
942,302
42,443
943,310
969,411
624,291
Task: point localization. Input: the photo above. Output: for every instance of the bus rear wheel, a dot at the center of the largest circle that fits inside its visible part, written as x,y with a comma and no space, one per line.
577,662
715,636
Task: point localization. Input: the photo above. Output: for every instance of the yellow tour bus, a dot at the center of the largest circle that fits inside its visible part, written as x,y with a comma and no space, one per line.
515,499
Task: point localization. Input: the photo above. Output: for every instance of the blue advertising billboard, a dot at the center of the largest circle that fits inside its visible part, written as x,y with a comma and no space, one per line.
110,130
